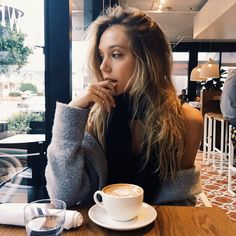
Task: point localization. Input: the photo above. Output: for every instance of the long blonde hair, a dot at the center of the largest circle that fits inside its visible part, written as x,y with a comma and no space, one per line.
151,87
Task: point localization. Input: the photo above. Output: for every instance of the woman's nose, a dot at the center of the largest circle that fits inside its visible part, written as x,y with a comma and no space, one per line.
105,65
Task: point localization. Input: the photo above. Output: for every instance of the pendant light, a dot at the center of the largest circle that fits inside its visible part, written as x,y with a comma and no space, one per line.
210,70
195,74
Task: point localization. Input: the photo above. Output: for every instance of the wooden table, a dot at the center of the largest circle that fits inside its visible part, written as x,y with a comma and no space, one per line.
171,221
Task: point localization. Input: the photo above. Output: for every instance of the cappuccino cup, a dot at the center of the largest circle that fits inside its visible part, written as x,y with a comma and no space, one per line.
121,202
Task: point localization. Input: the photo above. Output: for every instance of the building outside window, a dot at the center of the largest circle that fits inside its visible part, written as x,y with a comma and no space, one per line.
22,61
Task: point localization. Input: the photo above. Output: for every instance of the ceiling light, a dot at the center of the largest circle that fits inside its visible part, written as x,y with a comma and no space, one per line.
162,1
210,70
195,74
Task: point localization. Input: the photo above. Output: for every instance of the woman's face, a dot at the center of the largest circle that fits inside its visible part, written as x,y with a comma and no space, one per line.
117,60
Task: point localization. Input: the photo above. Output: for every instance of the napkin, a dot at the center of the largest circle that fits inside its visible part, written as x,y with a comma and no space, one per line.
13,214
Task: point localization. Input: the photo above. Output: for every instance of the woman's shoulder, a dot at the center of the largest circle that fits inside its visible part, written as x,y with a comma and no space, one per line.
194,129
192,115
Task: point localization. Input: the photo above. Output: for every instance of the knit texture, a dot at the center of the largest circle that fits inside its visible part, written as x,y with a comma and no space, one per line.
77,165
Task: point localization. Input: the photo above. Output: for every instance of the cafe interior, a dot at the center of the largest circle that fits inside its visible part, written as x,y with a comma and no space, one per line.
202,35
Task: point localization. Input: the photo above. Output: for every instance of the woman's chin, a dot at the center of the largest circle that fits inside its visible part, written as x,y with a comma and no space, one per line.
119,92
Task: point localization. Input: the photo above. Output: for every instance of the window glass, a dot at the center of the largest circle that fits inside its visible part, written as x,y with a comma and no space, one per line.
21,64
205,56
79,78
228,60
79,48
180,70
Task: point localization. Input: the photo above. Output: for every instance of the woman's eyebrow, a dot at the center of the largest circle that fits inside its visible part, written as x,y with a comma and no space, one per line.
114,46
117,45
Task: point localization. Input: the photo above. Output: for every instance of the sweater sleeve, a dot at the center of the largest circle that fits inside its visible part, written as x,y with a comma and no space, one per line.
182,189
76,163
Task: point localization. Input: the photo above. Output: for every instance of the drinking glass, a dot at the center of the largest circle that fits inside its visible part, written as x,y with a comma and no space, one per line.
45,217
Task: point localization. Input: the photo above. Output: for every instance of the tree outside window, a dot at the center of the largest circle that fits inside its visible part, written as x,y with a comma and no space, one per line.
12,48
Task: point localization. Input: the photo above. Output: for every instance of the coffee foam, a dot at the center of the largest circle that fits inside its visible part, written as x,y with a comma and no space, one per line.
123,190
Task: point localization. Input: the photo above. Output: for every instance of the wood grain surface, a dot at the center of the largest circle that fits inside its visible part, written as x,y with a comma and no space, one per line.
171,221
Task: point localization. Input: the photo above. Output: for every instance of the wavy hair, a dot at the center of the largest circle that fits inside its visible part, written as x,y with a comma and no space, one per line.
151,88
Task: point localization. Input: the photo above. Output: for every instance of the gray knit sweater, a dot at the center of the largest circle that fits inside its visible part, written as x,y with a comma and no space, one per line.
77,165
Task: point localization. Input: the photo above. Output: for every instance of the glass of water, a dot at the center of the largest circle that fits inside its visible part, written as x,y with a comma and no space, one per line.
45,217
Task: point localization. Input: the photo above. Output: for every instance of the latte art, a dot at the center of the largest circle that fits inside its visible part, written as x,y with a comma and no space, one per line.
123,190
121,201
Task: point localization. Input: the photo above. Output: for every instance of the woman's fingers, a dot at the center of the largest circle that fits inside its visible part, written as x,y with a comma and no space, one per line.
99,101
108,85
106,94
100,93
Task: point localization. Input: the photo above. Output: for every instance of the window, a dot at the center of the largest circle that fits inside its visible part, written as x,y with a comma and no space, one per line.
79,78
22,70
79,49
228,60
180,70
205,56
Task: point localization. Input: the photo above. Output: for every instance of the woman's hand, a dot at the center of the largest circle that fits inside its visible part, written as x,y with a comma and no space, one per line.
100,92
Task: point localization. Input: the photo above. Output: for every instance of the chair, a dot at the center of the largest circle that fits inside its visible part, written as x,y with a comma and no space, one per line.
223,145
36,159
20,154
209,103
9,166
207,138
13,162
16,177
37,127
203,198
231,168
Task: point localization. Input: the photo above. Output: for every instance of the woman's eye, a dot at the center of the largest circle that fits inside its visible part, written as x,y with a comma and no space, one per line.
116,55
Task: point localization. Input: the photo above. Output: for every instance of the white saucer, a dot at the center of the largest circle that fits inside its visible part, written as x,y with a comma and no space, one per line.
147,215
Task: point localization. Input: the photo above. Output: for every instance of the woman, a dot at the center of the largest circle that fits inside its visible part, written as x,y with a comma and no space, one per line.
128,125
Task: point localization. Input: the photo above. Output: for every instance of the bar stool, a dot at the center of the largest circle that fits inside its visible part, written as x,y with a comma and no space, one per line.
231,168
207,137
222,149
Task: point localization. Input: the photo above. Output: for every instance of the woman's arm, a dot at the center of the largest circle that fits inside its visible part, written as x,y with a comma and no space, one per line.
76,163
194,131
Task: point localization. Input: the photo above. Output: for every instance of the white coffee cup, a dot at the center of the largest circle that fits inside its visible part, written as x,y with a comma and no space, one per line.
121,202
